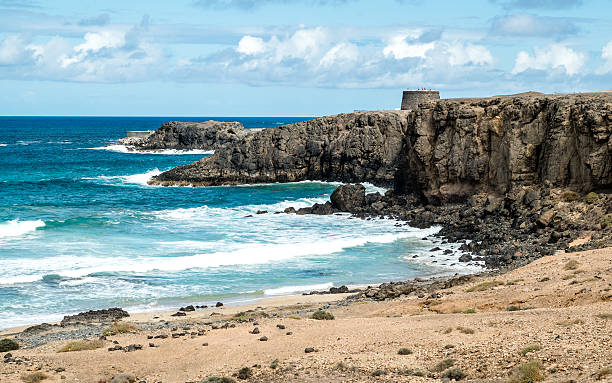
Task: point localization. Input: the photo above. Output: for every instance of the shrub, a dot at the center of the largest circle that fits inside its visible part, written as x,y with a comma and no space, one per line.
570,196
82,345
443,365
244,373
513,308
606,221
603,373
322,315
120,328
530,348
592,197
404,351
571,265
379,373
294,317
469,311
8,345
216,379
34,377
604,316
527,373
454,373
484,286
465,330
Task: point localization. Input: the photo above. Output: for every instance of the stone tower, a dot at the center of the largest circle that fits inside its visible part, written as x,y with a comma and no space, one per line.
412,98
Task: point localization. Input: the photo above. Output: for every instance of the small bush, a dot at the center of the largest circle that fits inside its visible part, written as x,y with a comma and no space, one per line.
513,308
244,373
443,365
411,372
322,315
571,265
530,348
216,379
404,351
82,345
603,373
294,317
592,197
8,345
484,286
570,196
527,373
454,373
604,316
120,328
465,330
379,373
606,221
274,364
34,377
469,311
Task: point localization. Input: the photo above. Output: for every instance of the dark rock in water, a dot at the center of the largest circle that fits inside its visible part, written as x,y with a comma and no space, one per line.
179,314
290,210
96,316
322,209
219,304
465,258
262,212
435,249
338,290
349,198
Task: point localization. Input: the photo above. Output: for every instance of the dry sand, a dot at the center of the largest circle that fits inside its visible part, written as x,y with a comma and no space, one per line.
563,309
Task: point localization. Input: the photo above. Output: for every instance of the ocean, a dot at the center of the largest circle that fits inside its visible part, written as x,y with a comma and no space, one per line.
80,229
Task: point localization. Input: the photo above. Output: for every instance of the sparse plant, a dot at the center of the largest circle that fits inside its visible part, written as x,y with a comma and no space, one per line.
294,317
404,351
454,373
529,372
606,221
571,265
530,348
120,328
592,197
82,345
443,365
34,377
8,345
322,315
378,373
513,308
603,373
604,316
216,379
469,311
244,373
465,330
570,196
484,286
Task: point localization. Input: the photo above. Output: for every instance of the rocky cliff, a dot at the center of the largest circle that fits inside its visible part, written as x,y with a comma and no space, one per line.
179,135
443,150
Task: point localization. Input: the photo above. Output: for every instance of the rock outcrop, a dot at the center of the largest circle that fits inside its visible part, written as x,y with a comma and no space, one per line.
179,135
442,151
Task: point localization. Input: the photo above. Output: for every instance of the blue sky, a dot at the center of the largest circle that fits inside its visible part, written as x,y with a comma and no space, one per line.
290,57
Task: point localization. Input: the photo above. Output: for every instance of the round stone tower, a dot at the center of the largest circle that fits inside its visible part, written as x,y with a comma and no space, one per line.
412,98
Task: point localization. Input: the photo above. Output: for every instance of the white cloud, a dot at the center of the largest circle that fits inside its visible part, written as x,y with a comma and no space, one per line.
250,45
94,42
606,55
400,48
463,54
341,54
552,57
13,51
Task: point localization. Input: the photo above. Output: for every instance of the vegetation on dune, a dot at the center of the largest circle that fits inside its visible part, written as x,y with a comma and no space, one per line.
529,372
404,351
530,348
443,365
34,377
82,345
322,315
8,345
120,328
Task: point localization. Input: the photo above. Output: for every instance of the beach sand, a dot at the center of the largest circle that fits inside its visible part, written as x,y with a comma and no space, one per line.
556,311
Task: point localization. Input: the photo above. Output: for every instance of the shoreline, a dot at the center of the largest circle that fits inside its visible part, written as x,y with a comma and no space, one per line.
554,312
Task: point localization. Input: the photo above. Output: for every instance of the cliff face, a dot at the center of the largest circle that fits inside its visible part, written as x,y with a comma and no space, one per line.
443,150
364,146
180,135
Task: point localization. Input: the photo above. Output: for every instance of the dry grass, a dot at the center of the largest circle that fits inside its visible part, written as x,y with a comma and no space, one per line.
34,377
603,373
484,286
569,323
571,265
120,328
443,365
530,348
527,373
465,330
82,345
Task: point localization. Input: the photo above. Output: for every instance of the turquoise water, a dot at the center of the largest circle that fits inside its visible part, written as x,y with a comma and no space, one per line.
80,229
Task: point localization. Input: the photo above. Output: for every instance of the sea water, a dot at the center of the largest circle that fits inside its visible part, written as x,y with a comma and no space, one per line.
80,229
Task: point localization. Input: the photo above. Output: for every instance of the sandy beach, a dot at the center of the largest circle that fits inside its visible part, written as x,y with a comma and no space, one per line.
556,312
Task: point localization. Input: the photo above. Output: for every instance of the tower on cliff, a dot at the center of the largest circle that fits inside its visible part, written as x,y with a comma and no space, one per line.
412,98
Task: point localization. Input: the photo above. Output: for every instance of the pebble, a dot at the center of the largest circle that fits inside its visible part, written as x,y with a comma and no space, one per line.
263,339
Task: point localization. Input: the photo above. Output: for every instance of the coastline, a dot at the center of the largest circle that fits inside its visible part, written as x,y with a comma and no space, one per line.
554,311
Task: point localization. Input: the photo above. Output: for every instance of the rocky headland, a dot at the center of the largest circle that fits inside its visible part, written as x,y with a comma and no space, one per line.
179,135
513,177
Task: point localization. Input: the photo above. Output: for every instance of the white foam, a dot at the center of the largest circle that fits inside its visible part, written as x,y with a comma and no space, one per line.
285,290
3,144
138,179
170,152
16,228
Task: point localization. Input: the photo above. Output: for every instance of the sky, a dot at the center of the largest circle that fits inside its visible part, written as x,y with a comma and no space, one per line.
290,57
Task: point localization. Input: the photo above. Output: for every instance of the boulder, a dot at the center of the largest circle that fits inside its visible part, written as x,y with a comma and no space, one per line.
348,198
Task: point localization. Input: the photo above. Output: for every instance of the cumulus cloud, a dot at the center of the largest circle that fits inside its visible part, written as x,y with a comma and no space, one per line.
538,4
606,55
13,51
555,56
527,25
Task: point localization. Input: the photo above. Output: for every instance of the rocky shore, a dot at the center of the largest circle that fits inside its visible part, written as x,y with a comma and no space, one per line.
514,178
179,135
